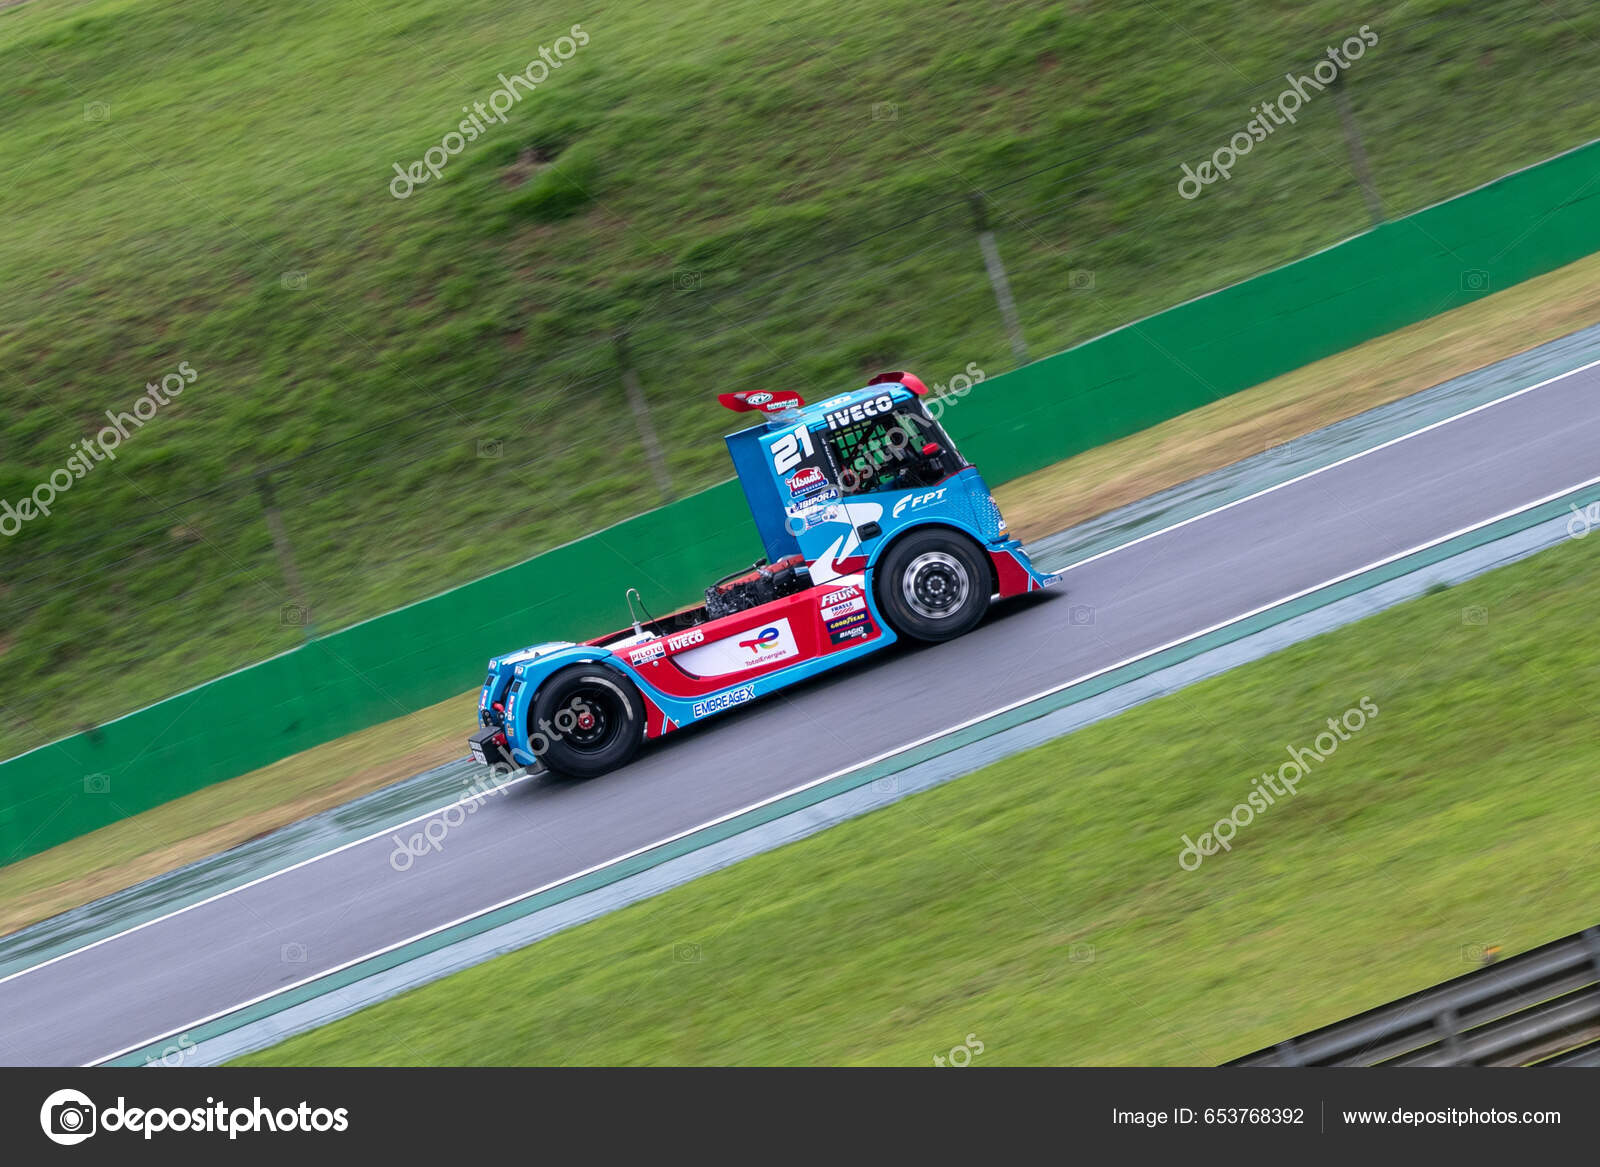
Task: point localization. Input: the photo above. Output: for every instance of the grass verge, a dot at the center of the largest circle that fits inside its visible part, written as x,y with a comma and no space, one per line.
1372,374
428,377
1039,904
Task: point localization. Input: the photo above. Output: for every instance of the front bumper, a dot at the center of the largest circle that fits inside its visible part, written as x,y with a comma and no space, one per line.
488,747
1015,572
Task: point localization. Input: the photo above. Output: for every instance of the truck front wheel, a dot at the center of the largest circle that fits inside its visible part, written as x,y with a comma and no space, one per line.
588,720
933,585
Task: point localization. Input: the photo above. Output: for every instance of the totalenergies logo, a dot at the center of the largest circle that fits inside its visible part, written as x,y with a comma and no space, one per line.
768,638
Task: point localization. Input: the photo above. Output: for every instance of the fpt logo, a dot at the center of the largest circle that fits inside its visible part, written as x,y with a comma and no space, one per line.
913,501
767,639
68,1117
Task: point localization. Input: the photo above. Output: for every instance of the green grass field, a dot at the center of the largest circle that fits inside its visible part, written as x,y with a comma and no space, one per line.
1039,904
433,379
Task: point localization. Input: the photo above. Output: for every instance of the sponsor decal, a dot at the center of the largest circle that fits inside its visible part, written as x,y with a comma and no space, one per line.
913,501
685,639
859,632
725,700
839,596
832,611
752,647
814,511
838,419
647,653
806,517
764,641
807,480
816,502
852,620
758,398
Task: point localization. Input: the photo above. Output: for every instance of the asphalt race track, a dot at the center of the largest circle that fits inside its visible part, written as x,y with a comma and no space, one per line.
1163,588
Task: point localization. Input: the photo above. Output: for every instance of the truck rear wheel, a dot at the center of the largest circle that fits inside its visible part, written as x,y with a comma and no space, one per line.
933,585
589,719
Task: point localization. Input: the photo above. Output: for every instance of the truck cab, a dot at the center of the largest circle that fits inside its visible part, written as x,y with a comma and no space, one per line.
836,482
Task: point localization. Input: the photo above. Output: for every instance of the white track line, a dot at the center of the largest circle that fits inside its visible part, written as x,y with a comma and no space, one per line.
1341,462
849,769
487,790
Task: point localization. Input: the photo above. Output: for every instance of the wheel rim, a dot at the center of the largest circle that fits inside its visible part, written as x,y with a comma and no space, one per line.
591,720
936,585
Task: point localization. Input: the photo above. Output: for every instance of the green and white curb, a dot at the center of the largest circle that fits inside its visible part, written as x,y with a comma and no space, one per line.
868,786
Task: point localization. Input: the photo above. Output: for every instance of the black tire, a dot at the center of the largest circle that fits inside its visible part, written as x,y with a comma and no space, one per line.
591,719
933,585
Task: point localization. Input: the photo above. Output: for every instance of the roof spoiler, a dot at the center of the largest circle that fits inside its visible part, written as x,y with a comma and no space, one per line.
910,380
744,400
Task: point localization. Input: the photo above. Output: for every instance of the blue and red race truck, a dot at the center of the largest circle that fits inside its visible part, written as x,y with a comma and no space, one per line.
875,529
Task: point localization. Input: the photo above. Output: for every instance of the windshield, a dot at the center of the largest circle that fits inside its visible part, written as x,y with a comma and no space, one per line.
886,451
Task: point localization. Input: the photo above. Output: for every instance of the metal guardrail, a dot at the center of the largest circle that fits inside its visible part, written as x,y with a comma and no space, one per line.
1541,1008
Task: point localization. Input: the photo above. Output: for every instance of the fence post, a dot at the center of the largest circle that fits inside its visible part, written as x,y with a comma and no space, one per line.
997,277
300,609
1358,150
641,415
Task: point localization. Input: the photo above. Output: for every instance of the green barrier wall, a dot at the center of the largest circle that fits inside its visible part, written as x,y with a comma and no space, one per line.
1517,227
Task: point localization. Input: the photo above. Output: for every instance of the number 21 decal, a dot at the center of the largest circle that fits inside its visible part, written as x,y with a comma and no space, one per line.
789,449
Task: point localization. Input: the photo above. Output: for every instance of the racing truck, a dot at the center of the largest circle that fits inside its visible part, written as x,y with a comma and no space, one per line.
875,530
